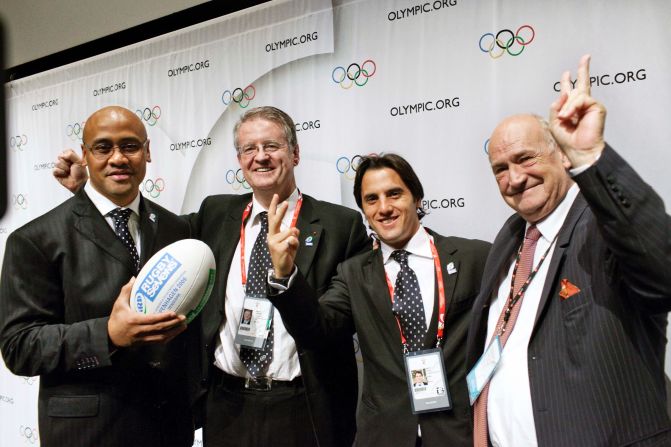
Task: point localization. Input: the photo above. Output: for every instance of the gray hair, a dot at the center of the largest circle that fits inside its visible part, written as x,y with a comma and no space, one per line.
273,114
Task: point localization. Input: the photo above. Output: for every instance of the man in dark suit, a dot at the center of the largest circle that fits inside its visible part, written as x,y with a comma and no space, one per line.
399,305
64,304
302,397
582,359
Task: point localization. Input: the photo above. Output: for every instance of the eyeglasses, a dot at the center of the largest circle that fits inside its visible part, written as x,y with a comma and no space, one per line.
103,151
269,148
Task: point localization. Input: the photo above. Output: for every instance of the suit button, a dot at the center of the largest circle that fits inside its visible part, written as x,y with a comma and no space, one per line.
626,203
203,381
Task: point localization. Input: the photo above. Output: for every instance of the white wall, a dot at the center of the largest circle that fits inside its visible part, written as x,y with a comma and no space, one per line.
37,28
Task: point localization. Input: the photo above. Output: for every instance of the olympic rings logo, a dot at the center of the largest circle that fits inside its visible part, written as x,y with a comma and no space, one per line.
153,187
348,166
75,131
19,201
150,116
237,180
240,96
506,41
354,74
29,433
18,142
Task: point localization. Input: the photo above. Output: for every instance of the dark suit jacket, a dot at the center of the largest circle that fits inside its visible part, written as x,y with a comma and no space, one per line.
330,377
60,277
358,301
596,359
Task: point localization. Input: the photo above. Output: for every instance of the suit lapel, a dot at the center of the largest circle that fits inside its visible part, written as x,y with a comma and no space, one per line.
563,239
500,256
148,229
93,226
447,256
227,240
374,283
310,236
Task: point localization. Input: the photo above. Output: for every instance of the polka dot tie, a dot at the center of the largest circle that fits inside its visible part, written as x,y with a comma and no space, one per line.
121,216
408,305
258,360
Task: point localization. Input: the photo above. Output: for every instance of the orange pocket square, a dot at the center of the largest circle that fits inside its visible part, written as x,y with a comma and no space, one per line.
568,289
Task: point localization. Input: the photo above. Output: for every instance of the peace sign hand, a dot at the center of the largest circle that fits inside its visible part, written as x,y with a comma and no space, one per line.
282,245
577,120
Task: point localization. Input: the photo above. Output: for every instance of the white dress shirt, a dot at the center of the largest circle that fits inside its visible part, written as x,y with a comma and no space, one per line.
509,409
105,205
284,365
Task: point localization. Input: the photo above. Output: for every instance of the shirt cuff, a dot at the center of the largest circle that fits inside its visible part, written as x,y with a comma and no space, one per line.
278,285
580,169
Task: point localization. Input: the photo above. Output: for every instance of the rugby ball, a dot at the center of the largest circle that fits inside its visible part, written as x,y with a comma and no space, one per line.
179,278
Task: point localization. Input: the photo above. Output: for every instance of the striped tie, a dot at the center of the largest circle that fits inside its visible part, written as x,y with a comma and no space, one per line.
480,436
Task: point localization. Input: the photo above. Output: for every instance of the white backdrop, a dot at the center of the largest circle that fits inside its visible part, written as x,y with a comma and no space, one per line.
358,76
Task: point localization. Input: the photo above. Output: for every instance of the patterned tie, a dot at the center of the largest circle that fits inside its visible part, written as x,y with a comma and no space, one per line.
480,429
408,305
121,216
258,360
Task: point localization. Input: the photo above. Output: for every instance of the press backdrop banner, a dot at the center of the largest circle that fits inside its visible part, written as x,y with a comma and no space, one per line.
428,80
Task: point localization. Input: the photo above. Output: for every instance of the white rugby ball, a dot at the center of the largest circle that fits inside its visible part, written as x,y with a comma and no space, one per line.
179,278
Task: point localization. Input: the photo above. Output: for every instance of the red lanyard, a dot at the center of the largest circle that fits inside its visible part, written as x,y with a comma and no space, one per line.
245,215
441,298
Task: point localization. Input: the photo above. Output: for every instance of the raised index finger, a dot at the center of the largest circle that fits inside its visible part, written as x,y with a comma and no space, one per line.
583,83
275,215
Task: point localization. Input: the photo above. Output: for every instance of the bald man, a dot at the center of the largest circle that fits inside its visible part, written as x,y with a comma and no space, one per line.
108,376
572,312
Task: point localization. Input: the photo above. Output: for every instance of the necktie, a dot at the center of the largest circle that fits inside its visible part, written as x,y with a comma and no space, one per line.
121,216
408,305
524,267
258,360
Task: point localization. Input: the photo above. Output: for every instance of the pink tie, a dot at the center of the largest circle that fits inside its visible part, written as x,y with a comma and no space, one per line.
521,276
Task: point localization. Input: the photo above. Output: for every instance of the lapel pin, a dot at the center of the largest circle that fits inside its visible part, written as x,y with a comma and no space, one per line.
152,217
451,269
309,241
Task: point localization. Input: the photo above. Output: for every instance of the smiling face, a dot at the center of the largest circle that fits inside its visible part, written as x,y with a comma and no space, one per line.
116,176
530,170
389,206
267,173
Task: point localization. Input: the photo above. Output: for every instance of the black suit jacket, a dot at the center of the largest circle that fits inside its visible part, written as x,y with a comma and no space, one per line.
60,277
330,377
596,359
358,301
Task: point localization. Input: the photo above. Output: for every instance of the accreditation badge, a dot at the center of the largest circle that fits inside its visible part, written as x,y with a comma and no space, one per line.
427,382
255,322
483,370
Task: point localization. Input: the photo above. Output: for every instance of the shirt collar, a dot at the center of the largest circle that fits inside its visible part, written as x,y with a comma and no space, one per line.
550,226
417,245
105,205
257,208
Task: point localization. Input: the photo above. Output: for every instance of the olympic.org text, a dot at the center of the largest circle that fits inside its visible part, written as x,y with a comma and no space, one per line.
200,142
110,88
606,79
419,9
291,42
189,68
427,106
45,104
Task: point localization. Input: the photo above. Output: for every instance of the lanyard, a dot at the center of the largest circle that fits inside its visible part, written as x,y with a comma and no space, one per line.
245,215
441,299
512,300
